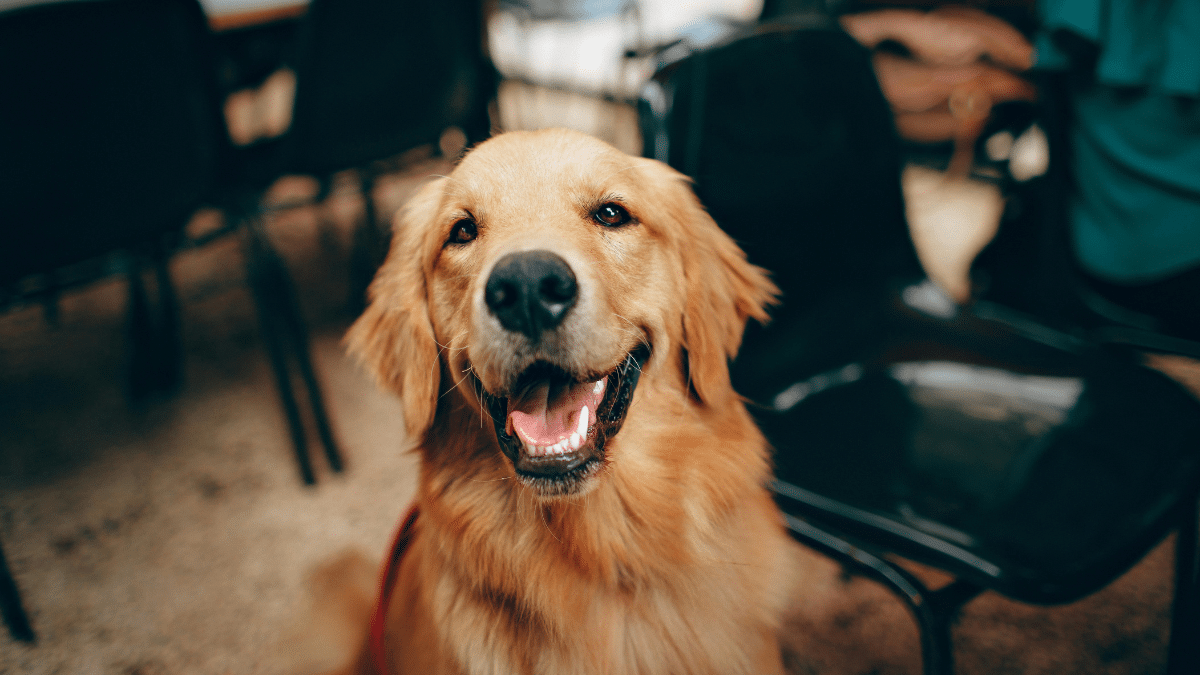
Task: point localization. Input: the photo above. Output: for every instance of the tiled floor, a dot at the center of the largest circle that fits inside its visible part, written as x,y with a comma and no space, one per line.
174,537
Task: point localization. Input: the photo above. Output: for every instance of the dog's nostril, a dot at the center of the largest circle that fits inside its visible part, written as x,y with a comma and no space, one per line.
558,288
531,292
501,295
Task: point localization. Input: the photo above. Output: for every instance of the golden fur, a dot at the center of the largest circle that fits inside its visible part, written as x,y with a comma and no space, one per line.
672,557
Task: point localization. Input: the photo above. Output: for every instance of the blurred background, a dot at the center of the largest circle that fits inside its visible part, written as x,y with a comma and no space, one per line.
194,196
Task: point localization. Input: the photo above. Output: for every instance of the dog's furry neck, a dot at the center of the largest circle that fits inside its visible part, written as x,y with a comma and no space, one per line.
669,527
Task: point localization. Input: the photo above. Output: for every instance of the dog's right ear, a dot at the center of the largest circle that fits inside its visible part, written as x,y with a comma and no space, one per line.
722,289
394,337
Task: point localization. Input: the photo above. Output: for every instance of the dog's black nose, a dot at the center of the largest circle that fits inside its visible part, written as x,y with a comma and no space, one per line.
531,291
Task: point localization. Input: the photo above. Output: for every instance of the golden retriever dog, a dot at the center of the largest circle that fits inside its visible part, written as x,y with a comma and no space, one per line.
556,318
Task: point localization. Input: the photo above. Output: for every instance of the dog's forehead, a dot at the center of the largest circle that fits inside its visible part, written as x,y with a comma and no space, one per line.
535,168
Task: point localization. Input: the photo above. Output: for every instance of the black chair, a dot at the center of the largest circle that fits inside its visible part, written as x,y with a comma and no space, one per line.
107,147
109,142
1016,457
373,80
111,136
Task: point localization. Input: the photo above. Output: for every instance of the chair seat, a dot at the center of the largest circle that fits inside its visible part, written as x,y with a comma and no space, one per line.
972,441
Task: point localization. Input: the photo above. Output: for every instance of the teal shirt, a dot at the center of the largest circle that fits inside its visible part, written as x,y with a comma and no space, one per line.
1135,134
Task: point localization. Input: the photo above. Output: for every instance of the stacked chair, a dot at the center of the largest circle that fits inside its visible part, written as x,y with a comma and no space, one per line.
1019,456
110,139
112,136
373,79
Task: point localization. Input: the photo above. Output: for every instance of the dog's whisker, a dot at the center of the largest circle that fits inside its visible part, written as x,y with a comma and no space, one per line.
635,330
451,341
484,413
546,523
625,319
456,384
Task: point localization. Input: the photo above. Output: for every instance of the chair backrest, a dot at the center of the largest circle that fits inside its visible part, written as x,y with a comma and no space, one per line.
377,77
794,152
109,127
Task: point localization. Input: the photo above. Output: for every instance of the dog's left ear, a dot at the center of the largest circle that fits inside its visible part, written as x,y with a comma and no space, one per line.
723,290
394,337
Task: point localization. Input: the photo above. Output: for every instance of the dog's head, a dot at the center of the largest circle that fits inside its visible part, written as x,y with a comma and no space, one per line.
540,281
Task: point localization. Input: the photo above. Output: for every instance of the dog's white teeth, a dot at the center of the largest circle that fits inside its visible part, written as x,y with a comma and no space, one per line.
559,447
569,444
527,444
599,387
582,428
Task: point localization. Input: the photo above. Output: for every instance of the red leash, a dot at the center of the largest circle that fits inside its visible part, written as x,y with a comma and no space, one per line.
391,566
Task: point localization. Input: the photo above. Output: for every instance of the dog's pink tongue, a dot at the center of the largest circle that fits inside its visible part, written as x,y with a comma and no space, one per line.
549,411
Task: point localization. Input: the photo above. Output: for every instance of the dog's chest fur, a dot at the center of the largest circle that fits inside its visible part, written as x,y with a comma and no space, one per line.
632,578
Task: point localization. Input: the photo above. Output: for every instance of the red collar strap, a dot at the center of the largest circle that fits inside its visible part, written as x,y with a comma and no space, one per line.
387,580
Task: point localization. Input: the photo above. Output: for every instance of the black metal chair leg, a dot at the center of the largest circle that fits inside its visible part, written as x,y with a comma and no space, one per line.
263,273
297,331
156,354
141,334
169,339
287,396
944,605
934,611
285,330
317,403
324,430
1183,653
10,604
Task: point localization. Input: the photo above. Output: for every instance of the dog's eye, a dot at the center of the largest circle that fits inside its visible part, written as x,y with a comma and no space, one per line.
612,215
464,231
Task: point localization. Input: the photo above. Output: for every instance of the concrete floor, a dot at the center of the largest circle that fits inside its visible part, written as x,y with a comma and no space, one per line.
175,536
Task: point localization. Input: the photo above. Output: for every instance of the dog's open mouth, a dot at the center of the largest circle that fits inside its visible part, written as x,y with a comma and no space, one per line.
553,426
